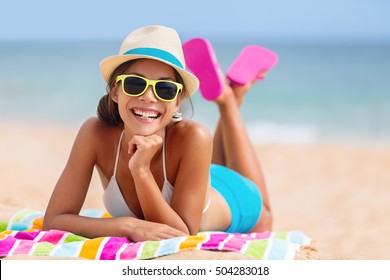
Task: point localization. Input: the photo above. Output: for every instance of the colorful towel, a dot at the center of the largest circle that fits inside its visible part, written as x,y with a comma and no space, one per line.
23,235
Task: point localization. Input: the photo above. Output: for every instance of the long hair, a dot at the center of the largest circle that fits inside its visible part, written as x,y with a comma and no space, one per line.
107,110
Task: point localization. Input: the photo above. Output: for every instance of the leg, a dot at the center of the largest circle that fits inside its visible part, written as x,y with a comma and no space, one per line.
234,147
218,147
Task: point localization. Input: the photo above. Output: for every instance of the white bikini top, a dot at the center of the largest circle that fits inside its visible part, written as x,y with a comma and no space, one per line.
113,199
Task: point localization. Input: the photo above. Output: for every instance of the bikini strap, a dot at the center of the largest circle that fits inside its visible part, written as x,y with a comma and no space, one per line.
163,157
117,152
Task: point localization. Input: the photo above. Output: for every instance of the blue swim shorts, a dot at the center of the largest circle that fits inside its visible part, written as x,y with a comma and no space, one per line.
242,196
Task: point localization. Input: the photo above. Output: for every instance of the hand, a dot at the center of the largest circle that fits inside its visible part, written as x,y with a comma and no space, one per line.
142,150
141,230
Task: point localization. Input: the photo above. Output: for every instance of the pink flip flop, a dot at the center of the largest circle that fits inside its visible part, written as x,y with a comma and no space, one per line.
202,61
252,63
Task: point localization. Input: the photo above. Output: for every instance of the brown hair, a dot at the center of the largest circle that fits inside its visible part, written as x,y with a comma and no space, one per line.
107,110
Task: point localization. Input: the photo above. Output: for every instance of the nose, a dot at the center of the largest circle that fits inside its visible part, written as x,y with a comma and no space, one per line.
148,96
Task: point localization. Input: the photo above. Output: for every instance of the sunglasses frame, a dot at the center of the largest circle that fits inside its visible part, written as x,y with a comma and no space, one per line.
149,82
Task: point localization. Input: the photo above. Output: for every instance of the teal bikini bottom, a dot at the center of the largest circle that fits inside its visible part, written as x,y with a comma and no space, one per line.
242,196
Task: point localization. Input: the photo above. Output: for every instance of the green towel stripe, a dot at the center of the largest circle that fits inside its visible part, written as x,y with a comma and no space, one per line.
73,238
43,249
280,235
3,226
257,248
149,249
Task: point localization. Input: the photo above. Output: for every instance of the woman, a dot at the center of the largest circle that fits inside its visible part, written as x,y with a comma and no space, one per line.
154,168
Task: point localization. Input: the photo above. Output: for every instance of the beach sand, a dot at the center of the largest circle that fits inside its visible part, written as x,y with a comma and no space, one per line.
338,194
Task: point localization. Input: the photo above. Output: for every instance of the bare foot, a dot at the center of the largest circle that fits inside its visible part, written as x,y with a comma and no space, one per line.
231,90
239,91
226,96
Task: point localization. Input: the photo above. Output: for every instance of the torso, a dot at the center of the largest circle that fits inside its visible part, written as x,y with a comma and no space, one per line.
217,217
123,176
113,198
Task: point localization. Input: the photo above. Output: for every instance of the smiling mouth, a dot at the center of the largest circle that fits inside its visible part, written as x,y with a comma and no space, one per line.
146,114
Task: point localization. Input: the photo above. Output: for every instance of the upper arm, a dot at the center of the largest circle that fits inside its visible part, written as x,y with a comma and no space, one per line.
72,186
192,178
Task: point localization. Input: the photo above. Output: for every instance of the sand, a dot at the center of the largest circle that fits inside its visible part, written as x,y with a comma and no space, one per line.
337,193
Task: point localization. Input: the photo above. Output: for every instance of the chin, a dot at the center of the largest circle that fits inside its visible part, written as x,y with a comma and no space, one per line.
148,130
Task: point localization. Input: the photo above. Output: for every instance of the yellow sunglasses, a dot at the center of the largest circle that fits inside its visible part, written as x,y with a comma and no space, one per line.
165,90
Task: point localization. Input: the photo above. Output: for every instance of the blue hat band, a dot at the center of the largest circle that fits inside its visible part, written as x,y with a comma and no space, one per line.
157,53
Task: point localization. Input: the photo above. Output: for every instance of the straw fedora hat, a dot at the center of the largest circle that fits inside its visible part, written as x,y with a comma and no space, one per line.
154,42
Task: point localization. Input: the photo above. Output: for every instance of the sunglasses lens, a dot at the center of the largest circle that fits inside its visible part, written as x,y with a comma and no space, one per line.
166,90
134,85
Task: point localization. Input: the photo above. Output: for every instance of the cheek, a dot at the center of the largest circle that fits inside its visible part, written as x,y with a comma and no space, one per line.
122,101
173,108
168,114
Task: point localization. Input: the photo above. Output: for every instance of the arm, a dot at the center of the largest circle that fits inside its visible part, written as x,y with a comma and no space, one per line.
142,150
192,180
71,189
192,145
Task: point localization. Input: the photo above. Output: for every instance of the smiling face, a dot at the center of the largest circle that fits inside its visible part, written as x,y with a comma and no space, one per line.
146,114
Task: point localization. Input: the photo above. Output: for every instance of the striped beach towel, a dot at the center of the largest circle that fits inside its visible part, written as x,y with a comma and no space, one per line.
23,235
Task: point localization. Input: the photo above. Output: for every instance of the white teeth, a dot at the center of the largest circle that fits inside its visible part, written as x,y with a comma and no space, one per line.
145,114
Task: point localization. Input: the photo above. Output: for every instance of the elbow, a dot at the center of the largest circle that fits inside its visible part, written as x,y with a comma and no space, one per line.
266,220
47,223
192,230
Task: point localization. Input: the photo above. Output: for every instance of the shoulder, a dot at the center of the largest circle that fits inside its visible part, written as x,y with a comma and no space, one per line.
189,131
94,142
94,133
191,135
95,128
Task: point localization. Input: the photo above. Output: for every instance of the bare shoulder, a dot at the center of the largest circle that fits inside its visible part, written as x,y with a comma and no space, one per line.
188,133
95,135
188,143
95,129
189,140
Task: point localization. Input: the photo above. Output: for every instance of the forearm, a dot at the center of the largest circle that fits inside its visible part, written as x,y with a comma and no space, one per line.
134,229
154,206
86,226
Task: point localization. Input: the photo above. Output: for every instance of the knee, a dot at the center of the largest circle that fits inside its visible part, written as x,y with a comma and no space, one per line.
264,223
267,220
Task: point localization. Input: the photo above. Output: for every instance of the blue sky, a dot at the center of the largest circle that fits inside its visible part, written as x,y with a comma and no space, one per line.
274,20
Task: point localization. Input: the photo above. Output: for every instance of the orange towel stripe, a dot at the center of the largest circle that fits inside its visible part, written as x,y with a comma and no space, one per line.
191,242
38,223
90,248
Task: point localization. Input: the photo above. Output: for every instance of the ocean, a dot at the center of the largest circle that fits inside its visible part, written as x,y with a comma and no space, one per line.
317,92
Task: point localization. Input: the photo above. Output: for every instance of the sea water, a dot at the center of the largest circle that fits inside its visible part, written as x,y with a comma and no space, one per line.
316,92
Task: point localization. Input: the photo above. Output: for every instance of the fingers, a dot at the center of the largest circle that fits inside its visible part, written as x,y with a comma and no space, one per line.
167,235
132,147
140,143
142,149
162,231
154,231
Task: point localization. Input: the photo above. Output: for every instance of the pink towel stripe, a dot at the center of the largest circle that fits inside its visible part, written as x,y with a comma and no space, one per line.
131,250
24,247
6,245
27,235
214,241
111,247
53,236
